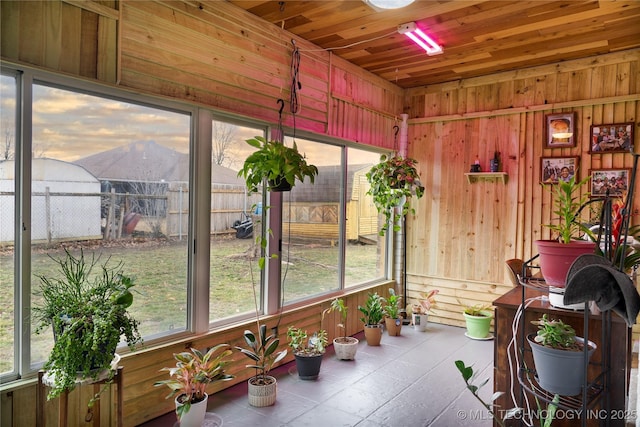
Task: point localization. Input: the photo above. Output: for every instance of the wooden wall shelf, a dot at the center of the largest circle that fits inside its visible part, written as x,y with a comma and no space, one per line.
477,176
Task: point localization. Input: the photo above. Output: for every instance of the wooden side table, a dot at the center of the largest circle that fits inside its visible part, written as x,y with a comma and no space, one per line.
64,401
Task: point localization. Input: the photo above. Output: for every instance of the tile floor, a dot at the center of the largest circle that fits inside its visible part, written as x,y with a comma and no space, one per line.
410,380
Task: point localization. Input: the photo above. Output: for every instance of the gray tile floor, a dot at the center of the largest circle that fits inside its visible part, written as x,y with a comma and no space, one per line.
410,380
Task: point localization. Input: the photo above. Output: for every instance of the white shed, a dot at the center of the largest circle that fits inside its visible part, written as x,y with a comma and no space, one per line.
65,202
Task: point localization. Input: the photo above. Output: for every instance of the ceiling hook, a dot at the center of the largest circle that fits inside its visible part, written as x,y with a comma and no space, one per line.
281,102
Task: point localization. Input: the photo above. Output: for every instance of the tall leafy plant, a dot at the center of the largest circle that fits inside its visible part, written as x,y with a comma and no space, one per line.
261,350
568,203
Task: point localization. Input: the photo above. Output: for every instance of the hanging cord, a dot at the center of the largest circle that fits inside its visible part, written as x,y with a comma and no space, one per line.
329,49
626,211
396,129
280,137
514,363
295,79
294,101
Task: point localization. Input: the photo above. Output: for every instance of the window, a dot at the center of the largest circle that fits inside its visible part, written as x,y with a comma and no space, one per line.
110,178
365,255
117,176
8,101
234,217
311,232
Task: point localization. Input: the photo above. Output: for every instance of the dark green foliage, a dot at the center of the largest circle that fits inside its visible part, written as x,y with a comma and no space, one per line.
88,313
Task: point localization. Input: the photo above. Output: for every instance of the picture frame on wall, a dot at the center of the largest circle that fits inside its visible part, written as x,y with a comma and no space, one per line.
560,130
611,138
553,169
615,181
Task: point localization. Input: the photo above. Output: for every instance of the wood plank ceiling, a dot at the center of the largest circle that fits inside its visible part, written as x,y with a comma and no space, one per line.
479,37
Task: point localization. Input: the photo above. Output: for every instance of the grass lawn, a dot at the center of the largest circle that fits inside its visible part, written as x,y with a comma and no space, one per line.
160,273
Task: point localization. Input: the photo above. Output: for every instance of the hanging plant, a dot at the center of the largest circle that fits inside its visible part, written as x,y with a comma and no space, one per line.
277,163
393,181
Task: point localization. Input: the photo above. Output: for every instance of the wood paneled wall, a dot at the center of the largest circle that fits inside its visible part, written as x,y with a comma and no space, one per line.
462,233
223,57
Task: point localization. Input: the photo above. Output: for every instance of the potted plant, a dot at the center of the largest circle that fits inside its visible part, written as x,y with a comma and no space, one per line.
194,370
261,349
477,320
278,164
420,310
556,256
87,311
392,317
559,356
344,346
372,315
308,351
393,181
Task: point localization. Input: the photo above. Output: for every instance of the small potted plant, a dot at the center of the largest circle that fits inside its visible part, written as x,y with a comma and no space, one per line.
88,314
557,255
559,356
478,320
308,351
262,351
344,346
194,370
279,164
392,317
372,315
420,309
393,181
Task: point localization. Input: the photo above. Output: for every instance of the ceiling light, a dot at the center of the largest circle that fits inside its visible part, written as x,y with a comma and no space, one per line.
380,5
412,31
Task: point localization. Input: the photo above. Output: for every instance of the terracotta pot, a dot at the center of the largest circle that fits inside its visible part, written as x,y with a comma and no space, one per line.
394,326
556,258
373,334
346,347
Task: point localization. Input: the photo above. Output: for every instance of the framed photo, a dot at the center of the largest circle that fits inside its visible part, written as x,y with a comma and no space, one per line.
560,130
554,169
615,181
611,138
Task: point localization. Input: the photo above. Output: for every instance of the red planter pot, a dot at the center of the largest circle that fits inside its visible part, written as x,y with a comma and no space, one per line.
556,258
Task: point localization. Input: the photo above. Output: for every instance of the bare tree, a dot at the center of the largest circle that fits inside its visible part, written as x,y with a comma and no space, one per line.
149,199
222,137
7,145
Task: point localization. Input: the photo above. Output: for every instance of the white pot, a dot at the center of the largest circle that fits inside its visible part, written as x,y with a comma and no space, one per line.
195,416
346,350
420,321
262,394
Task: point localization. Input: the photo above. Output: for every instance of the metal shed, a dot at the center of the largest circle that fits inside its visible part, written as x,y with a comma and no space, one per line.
65,202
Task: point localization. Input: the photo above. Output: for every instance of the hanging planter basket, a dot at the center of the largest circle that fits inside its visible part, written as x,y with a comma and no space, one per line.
279,185
393,182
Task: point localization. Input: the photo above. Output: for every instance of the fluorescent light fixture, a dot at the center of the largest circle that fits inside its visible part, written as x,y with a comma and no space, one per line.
412,31
380,5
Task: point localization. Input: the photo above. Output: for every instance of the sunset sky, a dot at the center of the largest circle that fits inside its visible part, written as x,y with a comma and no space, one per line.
69,126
